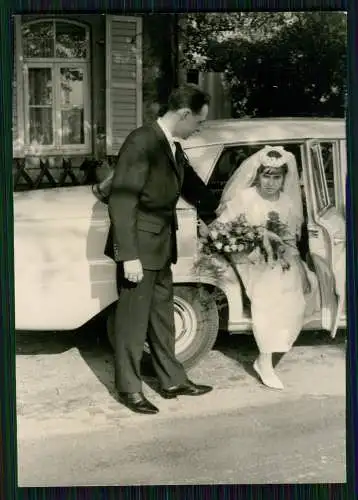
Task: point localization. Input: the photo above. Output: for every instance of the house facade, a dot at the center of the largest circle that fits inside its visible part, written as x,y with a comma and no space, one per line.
81,83
77,93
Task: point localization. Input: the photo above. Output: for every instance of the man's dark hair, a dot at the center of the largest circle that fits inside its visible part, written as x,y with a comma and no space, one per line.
188,96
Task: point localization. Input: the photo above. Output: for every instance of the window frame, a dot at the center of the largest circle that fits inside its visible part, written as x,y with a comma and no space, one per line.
338,170
319,211
320,183
56,63
55,20
342,174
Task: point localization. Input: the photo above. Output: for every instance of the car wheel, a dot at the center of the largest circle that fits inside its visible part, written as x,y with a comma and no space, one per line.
196,324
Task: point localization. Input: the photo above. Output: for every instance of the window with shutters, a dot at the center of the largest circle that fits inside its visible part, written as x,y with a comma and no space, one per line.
56,82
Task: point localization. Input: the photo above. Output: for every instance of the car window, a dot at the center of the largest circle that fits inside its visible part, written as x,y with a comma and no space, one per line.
231,159
319,178
328,166
202,159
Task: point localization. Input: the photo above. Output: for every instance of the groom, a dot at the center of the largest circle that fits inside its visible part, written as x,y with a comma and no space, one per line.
150,175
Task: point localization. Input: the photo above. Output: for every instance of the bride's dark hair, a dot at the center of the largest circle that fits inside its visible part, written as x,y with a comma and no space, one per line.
268,170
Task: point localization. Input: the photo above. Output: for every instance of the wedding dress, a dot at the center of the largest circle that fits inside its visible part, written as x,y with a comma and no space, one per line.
278,304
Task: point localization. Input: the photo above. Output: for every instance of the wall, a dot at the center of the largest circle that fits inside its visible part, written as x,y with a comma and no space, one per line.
214,84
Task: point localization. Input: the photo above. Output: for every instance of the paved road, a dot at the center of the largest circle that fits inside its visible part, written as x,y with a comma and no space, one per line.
71,430
299,442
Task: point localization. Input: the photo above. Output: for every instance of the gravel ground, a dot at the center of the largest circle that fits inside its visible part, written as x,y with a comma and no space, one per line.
65,382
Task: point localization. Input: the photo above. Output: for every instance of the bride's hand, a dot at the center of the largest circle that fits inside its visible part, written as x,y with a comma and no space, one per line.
204,230
274,237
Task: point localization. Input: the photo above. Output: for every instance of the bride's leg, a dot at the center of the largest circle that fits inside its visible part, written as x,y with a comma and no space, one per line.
264,368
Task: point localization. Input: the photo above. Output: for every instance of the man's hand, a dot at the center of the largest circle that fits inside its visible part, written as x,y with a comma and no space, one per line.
133,270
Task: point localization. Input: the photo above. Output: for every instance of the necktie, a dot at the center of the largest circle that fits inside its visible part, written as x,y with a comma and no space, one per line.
179,153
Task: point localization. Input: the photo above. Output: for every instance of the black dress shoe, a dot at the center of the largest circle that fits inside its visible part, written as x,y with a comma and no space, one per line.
136,402
186,389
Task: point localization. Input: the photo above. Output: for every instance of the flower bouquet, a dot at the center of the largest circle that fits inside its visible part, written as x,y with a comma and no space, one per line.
230,242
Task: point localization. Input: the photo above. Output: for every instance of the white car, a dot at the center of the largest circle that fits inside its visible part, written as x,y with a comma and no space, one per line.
63,279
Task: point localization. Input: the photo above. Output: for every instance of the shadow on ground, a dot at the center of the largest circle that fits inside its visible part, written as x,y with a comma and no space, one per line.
91,342
243,348
94,348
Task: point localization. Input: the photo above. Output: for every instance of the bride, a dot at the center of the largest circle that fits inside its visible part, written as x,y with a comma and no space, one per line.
268,182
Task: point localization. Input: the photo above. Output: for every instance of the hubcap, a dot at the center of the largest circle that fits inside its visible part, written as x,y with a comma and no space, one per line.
185,324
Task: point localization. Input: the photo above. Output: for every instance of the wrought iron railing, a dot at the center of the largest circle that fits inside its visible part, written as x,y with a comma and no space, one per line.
44,175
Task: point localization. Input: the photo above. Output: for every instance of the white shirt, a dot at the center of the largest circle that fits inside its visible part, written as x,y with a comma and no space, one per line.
168,135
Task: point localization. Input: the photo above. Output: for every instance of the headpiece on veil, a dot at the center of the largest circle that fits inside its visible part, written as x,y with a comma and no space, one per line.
246,173
273,161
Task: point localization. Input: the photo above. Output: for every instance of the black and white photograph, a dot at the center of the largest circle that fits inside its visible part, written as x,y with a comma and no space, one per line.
180,247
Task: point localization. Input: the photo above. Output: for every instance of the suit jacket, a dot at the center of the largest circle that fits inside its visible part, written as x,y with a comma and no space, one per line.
146,186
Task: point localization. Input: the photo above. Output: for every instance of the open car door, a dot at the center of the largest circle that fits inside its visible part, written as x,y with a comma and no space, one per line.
327,236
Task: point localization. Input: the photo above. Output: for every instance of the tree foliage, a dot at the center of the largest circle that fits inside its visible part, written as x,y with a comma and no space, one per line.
202,31
160,61
276,64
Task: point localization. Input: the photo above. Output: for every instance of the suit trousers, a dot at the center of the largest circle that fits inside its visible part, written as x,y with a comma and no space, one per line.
145,311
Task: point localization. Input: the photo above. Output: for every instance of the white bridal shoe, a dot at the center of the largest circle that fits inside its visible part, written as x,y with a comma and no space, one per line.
271,381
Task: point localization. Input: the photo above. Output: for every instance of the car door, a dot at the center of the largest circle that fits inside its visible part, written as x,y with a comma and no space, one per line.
327,234
201,159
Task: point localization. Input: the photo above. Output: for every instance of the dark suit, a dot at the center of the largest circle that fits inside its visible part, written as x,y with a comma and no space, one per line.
147,183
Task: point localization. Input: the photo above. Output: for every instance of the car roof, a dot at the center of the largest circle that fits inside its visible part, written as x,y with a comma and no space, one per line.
266,130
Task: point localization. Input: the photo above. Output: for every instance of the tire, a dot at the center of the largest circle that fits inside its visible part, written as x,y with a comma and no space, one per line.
196,324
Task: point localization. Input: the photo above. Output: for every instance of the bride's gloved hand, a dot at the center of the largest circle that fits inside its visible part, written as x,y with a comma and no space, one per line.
203,229
271,236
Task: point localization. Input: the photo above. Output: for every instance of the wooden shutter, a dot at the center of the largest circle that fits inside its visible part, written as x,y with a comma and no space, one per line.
17,90
123,79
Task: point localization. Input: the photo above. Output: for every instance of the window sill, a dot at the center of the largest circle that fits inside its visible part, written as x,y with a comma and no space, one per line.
74,151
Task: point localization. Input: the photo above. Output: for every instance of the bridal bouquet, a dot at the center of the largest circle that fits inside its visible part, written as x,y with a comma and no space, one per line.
238,239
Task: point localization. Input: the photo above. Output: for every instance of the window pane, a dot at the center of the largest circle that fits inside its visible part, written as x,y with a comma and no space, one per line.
327,154
318,179
41,129
202,158
40,86
70,40
72,126
229,161
38,39
71,87
72,106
